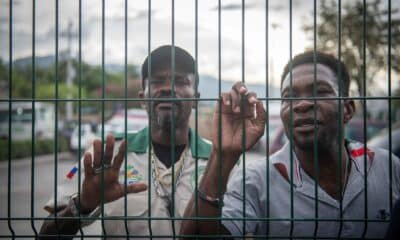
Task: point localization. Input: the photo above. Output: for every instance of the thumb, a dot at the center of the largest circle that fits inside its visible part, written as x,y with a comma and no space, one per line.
136,187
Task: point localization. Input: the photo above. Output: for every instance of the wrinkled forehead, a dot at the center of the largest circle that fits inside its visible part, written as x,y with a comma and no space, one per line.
307,73
168,73
166,68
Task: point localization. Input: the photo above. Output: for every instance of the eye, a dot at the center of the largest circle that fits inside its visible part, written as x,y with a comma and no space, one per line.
323,91
156,81
182,81
287,95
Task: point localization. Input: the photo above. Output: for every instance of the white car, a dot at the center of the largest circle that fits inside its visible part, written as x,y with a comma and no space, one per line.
86,137
136,120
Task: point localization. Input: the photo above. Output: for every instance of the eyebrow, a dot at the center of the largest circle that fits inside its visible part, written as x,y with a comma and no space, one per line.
317,82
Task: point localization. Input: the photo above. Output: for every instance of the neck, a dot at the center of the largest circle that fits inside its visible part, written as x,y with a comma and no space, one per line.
329,165
164,136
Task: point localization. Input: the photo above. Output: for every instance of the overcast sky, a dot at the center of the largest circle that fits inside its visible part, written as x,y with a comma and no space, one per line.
161,32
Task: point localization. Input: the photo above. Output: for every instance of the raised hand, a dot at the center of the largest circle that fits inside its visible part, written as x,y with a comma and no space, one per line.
92,193
238,108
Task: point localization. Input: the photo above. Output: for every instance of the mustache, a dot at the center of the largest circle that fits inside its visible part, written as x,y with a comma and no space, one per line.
176,103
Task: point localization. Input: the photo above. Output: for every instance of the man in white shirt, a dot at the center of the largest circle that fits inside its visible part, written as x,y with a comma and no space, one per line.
318,185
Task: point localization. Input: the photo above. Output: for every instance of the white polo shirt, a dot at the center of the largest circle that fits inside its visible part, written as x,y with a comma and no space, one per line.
289,193
137,208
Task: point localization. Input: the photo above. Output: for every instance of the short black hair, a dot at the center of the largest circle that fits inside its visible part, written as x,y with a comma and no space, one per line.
322,58
161,58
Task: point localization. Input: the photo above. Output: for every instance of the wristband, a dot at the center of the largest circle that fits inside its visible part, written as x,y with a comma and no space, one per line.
213,201
87,218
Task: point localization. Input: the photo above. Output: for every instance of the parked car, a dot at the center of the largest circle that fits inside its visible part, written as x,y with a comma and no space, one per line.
21,120
382,139
86,136
136,120
355,129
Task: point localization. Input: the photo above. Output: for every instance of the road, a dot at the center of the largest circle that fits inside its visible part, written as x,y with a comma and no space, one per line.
21,201
22,206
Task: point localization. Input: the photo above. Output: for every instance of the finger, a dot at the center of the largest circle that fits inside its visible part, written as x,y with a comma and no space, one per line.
252,98
136,187
110,141
239,88
260,116
226,99
235,100
225,103
97,146
87,164
119,158
248,105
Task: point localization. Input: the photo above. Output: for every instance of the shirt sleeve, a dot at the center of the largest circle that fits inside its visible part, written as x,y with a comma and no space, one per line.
236,199
396,176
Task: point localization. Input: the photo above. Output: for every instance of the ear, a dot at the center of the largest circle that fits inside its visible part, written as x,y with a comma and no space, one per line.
141,95
349,110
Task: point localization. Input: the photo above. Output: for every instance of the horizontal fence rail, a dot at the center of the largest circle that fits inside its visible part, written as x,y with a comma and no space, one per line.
67,90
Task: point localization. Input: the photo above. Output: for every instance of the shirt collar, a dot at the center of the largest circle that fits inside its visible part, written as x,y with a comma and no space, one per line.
360,155
138,143
283,161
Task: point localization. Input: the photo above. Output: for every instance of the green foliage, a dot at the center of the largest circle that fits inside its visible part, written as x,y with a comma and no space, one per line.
45,81
22,149
353,39
3,71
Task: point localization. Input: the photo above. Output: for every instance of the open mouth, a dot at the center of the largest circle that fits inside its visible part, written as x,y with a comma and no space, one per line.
306,124
166,105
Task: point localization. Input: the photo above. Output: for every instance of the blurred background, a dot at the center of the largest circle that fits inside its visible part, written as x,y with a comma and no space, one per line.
233,41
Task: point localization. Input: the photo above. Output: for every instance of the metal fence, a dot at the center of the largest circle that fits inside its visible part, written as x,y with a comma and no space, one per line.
28,183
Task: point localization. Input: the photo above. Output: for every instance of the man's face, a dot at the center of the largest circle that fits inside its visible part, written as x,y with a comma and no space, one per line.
326,122
160,86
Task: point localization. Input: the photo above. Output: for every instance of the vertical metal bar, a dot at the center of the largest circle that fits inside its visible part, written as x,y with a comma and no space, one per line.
364,102
196,121
10,72
315,107
56,114
267,174
103,79
389,67
80,108
340,135
33,119
219,165
220,113
173,119
243,121
150,111
291,120
126,117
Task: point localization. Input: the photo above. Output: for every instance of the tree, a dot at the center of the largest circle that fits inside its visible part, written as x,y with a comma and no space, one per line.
352,38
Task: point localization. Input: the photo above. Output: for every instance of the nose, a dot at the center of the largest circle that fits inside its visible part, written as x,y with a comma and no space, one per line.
303,105
165,89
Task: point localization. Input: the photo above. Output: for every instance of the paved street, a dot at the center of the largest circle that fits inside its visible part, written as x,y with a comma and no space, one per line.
21,202
21,190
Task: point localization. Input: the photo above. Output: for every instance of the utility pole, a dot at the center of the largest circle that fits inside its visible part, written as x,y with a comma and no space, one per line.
69,111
